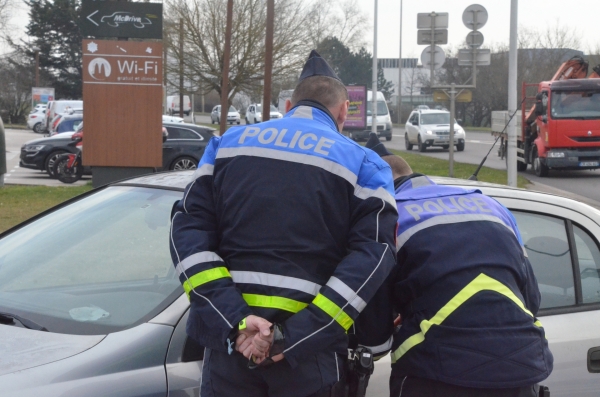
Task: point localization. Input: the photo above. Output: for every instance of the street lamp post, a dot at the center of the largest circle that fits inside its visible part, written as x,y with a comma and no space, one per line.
37,65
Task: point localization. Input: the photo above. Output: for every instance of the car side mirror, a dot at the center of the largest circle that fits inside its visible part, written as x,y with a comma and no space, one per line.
416,122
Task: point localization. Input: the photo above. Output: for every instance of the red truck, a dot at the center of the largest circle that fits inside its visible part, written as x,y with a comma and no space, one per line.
561,129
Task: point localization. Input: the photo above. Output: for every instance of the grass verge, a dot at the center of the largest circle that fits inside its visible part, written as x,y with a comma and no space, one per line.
18,203
436,167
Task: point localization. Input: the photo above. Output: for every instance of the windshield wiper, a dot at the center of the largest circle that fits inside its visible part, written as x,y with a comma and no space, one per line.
7,318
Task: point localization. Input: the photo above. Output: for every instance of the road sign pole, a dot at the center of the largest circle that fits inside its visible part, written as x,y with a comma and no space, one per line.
433,47
374,83
451,140
474,52
511,158
400,70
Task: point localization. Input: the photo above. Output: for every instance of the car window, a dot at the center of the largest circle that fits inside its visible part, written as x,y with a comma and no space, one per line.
588,256
99,265
183,133
547,246
435,118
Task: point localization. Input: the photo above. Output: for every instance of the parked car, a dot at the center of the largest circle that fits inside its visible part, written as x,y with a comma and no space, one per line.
185,145
173,105
59,107
233,116
427,128
40,154
67,123
36,120
254,113
111,250
171,119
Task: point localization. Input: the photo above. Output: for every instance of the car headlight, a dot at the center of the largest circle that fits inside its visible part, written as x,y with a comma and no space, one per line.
34,148
429,132
556,154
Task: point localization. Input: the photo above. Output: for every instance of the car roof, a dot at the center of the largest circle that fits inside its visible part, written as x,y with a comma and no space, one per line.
429,111
174,124
178,180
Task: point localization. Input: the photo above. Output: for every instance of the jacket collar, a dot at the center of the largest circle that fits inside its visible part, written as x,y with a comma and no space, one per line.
305,109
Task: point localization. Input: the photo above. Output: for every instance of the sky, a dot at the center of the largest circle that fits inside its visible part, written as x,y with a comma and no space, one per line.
581,15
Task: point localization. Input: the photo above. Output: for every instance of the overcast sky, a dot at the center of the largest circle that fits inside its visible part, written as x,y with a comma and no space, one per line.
581,15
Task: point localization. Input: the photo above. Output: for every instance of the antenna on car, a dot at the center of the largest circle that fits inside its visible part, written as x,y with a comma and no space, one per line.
474,176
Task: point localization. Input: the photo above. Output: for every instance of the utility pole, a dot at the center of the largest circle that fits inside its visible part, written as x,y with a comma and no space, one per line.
400,70
266,112
181,67
374,83
225,77
511,155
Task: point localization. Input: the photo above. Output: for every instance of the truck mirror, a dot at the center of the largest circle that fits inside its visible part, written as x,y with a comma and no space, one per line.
539,108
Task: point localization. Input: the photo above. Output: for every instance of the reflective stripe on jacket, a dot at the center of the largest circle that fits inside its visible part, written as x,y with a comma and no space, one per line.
290,221
466,291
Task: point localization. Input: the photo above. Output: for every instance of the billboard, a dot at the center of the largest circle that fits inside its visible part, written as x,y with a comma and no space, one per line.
41,95
357,112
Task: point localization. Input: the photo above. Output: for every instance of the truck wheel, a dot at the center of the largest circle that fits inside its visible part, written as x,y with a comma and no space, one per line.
407,143
421,145
521,166
539,168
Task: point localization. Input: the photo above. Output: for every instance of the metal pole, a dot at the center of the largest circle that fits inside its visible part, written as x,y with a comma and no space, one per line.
165,110
451,147
511,157
266,113
225,76
474,52
374,83
400,70
37,68
181,67
431,66
192,109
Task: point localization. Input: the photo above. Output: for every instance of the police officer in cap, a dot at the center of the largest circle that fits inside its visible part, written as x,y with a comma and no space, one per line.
284,234
466,293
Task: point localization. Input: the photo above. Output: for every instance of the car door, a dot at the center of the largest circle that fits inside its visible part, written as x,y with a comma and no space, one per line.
411,128
564,251
251,117
182,142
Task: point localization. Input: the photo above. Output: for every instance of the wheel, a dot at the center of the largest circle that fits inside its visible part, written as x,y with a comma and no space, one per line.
37,128
521,166
460,147
446,147
184,163
539,168
65,174
212,121
247,121
238,123
421,145
388,138
50,160
407,143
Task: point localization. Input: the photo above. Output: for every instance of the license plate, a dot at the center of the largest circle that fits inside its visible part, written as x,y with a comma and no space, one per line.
589,164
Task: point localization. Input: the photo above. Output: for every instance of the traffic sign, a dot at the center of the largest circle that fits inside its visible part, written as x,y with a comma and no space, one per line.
475,17
482,56
433,55
440,36
474,39
442,96
427,20
121,19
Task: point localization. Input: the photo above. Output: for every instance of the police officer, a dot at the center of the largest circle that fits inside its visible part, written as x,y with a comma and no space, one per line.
466,293
285,232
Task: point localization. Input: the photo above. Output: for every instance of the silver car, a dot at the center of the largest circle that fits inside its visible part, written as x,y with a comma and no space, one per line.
428,128
92,305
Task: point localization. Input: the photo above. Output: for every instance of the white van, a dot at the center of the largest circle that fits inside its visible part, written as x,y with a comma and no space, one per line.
58,107
173,105
383,120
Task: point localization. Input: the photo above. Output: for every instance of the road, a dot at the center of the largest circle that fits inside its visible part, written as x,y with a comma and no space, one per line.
581,185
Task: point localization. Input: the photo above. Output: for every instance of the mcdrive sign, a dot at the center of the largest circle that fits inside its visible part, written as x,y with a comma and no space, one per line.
121,19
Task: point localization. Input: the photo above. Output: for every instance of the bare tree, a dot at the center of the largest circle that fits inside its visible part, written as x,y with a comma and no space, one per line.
203,39
6,7
342,19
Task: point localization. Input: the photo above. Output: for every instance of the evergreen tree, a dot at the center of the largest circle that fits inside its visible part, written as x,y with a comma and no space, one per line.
54,28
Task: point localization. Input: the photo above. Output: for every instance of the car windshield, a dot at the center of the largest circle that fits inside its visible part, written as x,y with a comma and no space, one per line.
232,109
68,125
382,109
259,108
435,118
96,266
575,105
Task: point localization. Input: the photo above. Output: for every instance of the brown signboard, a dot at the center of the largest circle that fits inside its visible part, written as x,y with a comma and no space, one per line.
122,93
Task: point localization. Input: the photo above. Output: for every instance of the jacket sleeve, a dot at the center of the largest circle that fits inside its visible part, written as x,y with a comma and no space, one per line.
216,306
323,324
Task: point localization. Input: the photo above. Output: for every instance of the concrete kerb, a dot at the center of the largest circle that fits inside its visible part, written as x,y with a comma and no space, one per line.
540,187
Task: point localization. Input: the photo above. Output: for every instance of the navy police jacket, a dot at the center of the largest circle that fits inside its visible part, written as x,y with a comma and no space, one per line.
466,291
288,220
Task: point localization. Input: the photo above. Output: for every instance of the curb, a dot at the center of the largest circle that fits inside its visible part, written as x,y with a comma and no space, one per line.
540,187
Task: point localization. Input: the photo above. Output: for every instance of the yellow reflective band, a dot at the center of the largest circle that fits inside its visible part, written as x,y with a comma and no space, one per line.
242,325
480,283
334,311
204,277
274,302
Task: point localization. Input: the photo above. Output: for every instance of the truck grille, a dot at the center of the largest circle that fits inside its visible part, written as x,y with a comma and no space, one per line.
586,138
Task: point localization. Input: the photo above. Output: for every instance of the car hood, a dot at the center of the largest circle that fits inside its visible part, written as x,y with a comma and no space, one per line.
61,136
22,348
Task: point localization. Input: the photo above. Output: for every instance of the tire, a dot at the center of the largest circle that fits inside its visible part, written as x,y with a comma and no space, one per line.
407,144
388,138
50,160
247,121
445,147
539,168
238,123
212,121
38,128
460,147
65,175
421,145
184,163
521,166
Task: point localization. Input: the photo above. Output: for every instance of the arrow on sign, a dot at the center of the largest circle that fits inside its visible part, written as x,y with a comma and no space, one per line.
88,17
